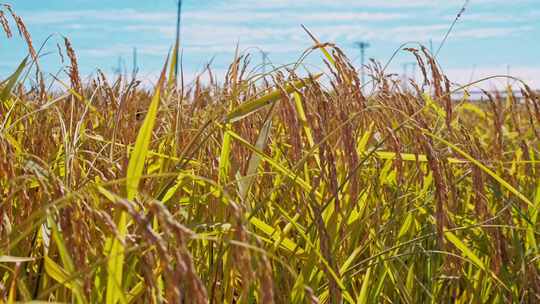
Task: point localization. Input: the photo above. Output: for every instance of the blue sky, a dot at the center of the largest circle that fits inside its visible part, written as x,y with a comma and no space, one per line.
491,36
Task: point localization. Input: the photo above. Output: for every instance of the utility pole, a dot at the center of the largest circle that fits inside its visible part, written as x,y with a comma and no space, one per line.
404,77
362,45
406,74
178,24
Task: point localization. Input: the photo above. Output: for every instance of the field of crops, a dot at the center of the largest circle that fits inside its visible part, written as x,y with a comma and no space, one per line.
265,188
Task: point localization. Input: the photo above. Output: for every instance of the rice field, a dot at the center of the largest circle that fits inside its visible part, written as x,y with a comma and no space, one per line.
265,188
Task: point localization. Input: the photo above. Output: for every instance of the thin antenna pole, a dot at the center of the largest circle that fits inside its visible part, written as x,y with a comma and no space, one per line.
135,64
178,24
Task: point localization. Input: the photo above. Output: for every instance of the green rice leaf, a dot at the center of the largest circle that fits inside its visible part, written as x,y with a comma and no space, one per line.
452,238
224,163
12,259
254,105
60,275
56,272
489,172
364,291
286,243
142,144
285,171
255,160
135,169
12,80
75,285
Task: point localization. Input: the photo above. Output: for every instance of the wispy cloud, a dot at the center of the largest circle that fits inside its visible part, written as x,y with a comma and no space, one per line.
381,4
487,32
124,50
241,21
274,26
60,17
227,34
491,17
227,15
288,4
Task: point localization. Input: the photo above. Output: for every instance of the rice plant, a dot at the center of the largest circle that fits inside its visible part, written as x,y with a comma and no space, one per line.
266,188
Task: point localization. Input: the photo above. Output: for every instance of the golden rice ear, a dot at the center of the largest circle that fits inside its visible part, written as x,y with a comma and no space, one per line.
5,24
74,75
23,31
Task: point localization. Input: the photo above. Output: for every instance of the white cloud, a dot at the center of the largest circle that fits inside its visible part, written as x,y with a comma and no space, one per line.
240,20
124,50
359,4
227,15
207,40
525,17
348,4
274,25
61,17
486,32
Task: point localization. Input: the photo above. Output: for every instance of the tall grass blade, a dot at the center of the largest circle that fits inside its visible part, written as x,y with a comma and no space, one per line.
489,172
255,160
135,169
12,80
254,105
12,259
